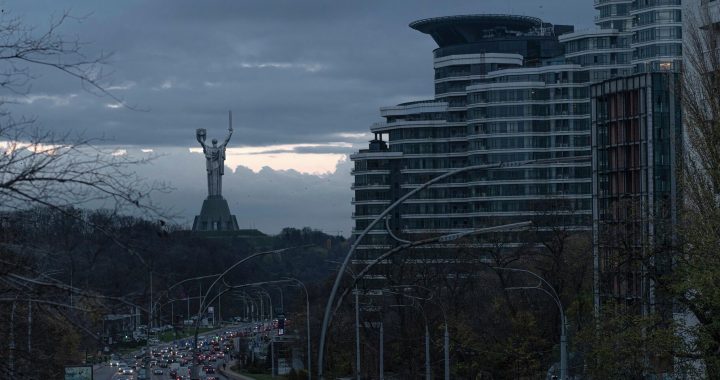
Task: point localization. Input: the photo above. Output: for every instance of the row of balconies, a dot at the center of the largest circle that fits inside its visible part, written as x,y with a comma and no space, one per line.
635,4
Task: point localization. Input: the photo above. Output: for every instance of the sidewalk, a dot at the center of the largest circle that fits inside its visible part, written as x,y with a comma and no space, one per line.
232,374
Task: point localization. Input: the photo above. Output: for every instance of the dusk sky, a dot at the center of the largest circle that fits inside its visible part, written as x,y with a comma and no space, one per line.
304,79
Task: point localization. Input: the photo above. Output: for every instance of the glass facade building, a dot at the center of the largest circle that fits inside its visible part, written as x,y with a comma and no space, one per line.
502,93
507,88
637,145
653,29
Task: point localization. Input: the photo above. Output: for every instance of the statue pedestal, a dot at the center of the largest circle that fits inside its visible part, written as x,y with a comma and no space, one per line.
215,216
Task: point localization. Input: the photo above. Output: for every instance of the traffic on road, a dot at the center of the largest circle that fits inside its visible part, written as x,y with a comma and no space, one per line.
176,361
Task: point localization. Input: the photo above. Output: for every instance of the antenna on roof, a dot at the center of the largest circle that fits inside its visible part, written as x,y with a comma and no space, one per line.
230,119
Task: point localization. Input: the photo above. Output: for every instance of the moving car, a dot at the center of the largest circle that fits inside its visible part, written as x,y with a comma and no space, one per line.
157,371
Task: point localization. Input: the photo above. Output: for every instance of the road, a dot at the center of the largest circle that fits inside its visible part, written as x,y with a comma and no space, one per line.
106,372
110,373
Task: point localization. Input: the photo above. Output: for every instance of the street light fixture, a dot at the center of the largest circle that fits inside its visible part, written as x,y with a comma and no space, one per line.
563,321
307,317
428,371
346,261
446,334
417,243
201,309
250,314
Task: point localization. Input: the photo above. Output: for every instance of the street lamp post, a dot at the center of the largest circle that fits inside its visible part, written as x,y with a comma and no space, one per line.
357,319
444,238
307,308
446,337
307,318
555,297
357,333
427,330
382,353
264,292
201,309
346,260
428,370
282,301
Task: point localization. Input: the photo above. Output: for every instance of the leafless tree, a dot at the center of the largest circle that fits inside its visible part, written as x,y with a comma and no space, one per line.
698,266
41,168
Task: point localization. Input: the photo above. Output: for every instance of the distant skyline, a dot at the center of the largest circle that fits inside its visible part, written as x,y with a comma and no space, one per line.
304,80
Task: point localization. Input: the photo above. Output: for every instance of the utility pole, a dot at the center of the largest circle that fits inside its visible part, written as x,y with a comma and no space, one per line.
11,354
382,354
428,375
29,326
357,334
150,318
149,325
447,352
272,356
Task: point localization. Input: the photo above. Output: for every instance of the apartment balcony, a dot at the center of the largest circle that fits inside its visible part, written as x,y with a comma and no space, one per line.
370,201
369,171
384,126
369,186
608,2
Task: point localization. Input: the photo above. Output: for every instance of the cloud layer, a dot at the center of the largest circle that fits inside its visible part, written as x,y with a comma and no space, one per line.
267,200
292,71
304,79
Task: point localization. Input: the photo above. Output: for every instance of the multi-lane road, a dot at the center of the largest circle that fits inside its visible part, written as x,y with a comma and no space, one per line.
108,372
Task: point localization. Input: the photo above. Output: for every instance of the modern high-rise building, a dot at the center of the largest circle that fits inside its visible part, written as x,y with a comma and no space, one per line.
502,93
653,29
507,88
635,58
637,146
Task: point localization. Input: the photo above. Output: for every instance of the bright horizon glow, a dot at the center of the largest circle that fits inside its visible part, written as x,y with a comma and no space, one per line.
284,157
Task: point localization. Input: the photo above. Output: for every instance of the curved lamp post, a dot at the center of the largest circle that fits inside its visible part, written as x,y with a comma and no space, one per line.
264,293
428,372
417,243
218,278
563,321
307,317
253,305
446,335
338,278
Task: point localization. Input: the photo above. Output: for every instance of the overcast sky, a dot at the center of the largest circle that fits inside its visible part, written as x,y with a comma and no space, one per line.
304,79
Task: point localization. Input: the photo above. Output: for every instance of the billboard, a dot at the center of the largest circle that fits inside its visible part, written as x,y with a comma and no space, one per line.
78,372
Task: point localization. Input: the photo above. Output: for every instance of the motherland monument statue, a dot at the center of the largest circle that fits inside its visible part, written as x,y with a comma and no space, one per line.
215,214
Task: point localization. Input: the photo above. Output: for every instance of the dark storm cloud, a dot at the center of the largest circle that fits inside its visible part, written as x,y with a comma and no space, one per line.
292,71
